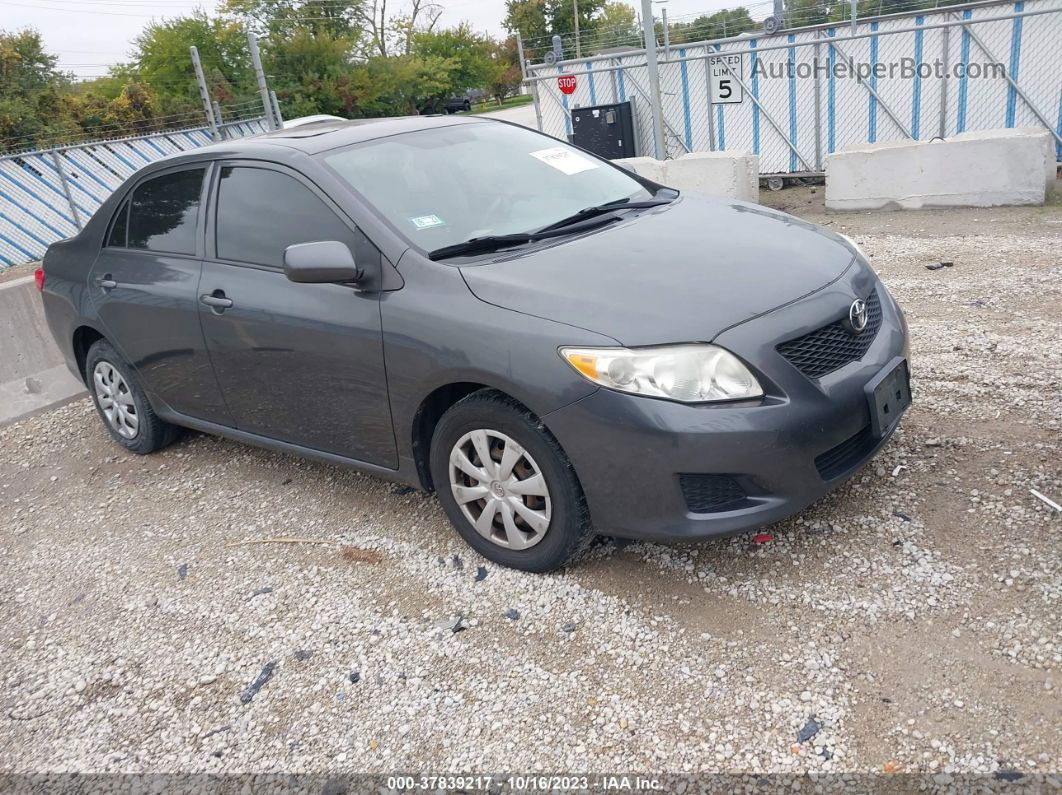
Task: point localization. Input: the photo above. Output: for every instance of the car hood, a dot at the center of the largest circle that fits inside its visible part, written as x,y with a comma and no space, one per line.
680,273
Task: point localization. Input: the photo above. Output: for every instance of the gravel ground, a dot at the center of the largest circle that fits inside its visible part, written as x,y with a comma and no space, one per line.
909,622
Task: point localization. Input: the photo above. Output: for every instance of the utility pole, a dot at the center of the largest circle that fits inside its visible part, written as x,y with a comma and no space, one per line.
263,89
204,95
654,79
578,47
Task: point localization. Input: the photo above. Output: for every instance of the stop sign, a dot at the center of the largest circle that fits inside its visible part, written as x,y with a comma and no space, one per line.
566,83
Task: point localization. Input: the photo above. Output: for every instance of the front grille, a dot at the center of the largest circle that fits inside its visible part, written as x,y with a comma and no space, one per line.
711,493
832,347
838,460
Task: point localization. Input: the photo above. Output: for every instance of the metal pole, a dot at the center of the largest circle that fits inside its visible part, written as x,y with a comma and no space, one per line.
578,47
654,80
711,117
538,106
818,111
276,107
204,94
520,55
854,14
667,34
942,130
263,89
66,189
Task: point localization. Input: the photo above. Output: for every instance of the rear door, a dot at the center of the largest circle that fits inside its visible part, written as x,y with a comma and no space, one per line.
301,363
144,286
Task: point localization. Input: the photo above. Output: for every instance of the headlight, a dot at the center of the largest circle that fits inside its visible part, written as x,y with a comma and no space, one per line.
687,373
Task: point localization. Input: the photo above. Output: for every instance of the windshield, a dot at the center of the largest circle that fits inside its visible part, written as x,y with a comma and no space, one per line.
446,185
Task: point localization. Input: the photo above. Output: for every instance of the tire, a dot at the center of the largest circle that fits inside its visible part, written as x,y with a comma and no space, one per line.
140,430
467,107
503,421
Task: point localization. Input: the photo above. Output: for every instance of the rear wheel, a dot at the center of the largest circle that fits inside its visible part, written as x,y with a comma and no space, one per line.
122,404
507,486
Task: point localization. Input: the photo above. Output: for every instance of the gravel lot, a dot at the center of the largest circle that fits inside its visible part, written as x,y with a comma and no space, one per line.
910,622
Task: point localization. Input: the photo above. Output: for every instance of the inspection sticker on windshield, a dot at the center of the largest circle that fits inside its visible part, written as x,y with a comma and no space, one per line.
565,160
427,221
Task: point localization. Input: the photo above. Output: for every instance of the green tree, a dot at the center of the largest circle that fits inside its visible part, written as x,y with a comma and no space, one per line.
338,18
470,55
161,58
310,71
617,26
505,73
720,25
33,110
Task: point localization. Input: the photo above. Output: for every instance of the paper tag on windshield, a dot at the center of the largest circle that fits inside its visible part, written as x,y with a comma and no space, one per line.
427,221
565,160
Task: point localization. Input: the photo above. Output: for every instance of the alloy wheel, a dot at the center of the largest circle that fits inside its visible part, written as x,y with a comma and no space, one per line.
115,400
500,489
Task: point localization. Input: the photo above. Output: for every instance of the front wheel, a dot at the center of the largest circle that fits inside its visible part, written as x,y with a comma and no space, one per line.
507,486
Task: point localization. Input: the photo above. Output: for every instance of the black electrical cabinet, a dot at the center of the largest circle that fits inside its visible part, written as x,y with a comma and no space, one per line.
605,130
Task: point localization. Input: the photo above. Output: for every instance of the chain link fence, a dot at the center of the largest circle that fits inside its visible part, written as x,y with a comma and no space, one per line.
795,96
48,195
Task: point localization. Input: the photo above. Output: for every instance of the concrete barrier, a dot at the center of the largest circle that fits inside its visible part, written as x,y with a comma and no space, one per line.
33,375
735,175
979,169
1047,142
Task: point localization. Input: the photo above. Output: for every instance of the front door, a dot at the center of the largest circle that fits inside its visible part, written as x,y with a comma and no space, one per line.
145,288
301,363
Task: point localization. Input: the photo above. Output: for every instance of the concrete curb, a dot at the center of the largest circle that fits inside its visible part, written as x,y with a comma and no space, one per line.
33,373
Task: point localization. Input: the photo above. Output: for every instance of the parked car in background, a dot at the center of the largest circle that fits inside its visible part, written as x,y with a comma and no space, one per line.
553,345
464,102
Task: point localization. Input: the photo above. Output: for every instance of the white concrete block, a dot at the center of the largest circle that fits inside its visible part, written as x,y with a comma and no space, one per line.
33,373
648,167
731,174
1047,141
984,169
735,175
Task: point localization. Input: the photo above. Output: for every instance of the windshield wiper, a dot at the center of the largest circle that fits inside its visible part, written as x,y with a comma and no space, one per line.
494,242
601,209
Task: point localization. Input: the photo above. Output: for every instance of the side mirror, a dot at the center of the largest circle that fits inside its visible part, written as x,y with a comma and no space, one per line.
321,262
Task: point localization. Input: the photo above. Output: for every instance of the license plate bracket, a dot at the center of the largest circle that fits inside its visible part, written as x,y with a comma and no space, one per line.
889,395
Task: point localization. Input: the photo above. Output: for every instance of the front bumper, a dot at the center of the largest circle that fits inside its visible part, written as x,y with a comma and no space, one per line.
785,451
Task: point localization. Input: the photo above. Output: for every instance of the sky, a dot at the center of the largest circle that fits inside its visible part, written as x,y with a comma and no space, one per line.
90,35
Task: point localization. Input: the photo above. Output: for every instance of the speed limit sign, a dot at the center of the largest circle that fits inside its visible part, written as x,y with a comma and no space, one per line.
725,89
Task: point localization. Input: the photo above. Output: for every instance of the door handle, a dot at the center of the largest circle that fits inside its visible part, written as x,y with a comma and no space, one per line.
106,282
216,300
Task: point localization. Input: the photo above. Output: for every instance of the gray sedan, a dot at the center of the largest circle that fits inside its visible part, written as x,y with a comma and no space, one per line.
554,346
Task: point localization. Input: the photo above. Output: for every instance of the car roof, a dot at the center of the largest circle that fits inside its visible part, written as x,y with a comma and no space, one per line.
328,134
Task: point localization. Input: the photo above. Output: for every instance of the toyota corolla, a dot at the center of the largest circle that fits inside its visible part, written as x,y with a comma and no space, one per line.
553,345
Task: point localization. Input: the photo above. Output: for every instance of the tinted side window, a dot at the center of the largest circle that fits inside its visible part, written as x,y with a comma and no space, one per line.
262,212
164,211
119,226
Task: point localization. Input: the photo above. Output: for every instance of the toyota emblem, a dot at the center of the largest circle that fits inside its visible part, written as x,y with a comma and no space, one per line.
857,315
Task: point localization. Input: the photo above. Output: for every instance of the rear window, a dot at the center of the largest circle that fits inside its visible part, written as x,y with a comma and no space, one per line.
164,212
